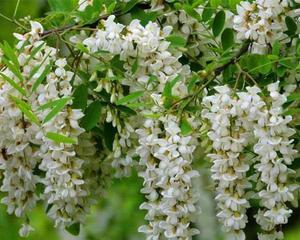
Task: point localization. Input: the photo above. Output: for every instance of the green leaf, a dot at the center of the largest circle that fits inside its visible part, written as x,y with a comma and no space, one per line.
134,66
92,115
111,7
192,82
51,104
131,97
126,110
13,84
60,104
291,25
34,52
129,6
265,65
191,11
215,3
144,16
26,109
74,229
59,138
169,85
208,11
227,38
10,54
62,5
293,97
218,23
176,41
276,48
292,111
41,78
13,69
185,127
80,97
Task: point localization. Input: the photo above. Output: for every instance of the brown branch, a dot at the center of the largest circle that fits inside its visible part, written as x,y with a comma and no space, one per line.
92,25
233,60
71,26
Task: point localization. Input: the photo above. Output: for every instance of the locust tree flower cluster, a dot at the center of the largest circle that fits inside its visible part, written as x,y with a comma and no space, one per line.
234,120
170,201
262,21
167,157
28,118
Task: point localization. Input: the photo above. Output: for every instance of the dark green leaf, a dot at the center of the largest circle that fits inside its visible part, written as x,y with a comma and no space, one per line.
129,6
92,115
62,5
291,25
74,229
208,11
80,97
218,23
227,38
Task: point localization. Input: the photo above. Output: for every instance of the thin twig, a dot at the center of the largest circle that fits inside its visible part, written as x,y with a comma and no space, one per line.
13,21
16,9
233,60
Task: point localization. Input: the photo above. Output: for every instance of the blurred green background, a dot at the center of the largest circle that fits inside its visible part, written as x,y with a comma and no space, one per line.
117,216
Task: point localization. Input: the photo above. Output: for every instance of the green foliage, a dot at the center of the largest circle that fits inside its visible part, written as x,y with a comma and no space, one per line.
218,23
59,138
227,38
91,115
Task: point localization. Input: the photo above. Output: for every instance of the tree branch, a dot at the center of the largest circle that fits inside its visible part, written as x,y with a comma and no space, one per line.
71,26
233,60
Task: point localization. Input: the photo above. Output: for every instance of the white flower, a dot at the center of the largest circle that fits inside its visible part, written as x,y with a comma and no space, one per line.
25,230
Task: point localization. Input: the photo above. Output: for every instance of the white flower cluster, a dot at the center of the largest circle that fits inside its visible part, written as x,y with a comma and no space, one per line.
167,157
64,182
229,134
24,142
262,21
249,121
190,29
171,203
275,151
133,43
19,155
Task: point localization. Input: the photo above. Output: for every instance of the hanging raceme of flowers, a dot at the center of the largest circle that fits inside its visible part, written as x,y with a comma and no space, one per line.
140,86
